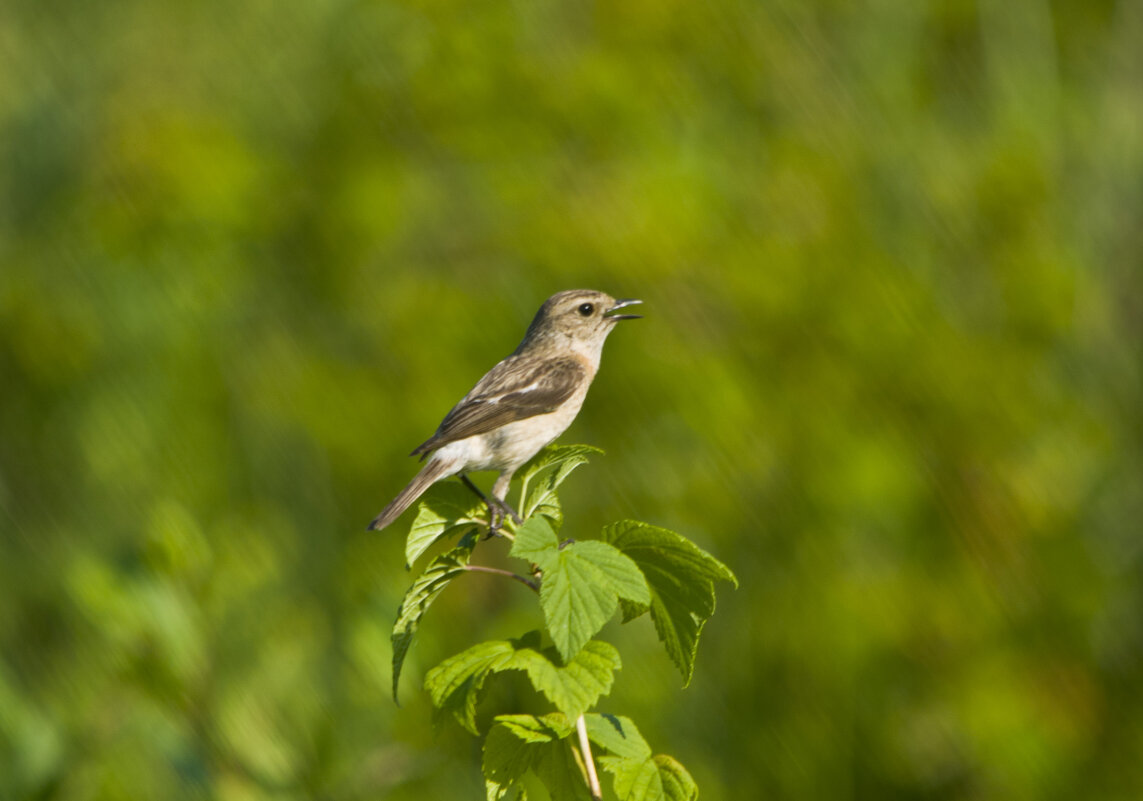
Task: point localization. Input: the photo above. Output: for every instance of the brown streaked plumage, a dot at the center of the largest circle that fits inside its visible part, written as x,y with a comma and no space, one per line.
514,389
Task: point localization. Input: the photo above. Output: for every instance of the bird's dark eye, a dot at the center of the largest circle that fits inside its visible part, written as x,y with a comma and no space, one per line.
586,309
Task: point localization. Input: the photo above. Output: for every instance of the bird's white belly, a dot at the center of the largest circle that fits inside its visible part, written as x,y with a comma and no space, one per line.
509,446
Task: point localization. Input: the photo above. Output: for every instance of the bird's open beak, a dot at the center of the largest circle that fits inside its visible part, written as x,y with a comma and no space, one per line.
620,304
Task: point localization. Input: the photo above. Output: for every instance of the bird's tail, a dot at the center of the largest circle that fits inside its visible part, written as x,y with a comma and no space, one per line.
433,471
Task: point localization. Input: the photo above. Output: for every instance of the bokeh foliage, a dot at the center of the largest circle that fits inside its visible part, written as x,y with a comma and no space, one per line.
250,253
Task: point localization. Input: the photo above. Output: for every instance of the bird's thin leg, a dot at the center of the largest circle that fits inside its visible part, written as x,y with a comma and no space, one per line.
500,492
495,513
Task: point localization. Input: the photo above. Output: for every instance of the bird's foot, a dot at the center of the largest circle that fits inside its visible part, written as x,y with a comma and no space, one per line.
508,510
495,521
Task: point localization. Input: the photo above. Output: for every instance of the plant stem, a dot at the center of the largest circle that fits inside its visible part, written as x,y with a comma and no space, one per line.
500,572
585,748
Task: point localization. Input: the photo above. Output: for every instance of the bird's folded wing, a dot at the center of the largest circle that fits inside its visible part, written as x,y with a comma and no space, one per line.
510,391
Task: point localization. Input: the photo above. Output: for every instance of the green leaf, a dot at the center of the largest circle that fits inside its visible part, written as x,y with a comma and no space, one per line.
541,478
455,683
536,541
677,782
617,735
532,729
620,571
634,778
496,792
657,778
582,583
507,757
561,771
639,776
517,744
581,590
446,509
576,686
681,578
420,596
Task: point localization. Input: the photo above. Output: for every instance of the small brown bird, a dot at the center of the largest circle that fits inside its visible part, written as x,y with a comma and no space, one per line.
521,404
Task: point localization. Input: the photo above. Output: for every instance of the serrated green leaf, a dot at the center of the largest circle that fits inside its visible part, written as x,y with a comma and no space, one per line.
536,729
446,509
642,542
540,479
420,596
562,773
517,744
506,758
617,735
535,541
575,604
639,776
657,778
581,585
681,579
634,778
678,785
621,573
455,684
575,687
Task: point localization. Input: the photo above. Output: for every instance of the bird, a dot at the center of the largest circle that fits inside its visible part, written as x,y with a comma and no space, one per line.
521,405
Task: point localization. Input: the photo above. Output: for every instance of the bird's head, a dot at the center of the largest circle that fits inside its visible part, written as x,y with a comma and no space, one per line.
581,318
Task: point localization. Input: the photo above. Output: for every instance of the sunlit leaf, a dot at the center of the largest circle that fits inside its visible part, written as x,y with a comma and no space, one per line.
639,776
657,778
540,479
536,541
617,735
676,780
455,683
448,508
574,688
681,579
582,583
420,596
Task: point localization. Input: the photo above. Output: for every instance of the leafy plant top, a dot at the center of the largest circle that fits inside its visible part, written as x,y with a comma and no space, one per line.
633,568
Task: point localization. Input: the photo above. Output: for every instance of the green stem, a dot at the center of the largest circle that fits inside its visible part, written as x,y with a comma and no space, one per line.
500,572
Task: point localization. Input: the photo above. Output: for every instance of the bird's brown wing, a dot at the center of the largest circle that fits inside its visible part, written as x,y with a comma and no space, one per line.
510,391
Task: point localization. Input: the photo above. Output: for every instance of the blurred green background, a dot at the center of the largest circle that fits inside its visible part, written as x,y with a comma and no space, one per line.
890,372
